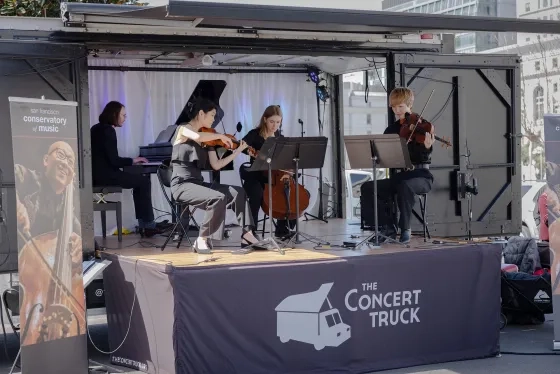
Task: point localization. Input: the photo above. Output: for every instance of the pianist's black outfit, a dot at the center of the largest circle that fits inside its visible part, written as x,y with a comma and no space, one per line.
406,185
106,164
254,185
188,186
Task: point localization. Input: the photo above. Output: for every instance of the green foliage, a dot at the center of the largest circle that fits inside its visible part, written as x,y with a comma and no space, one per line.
47,8
525,154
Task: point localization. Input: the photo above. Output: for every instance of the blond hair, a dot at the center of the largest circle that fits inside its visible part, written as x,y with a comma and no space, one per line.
401,95
272,110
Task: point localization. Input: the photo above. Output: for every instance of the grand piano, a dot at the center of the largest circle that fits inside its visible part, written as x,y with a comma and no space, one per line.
162,147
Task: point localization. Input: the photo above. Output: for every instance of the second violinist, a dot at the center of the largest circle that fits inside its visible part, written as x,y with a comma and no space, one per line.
406,184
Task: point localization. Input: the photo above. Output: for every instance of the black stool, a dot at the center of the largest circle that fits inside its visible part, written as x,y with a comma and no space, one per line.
102,205
423,201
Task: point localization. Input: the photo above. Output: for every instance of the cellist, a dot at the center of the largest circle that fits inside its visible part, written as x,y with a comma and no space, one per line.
50,271
406,184
254,182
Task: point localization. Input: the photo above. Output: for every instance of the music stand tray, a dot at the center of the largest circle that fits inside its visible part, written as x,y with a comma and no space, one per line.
386,151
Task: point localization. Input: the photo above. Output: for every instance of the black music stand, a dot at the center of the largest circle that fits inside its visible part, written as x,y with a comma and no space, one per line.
385,151
265,160
300,153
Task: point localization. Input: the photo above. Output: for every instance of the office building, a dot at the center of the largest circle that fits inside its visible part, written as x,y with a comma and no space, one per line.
468,42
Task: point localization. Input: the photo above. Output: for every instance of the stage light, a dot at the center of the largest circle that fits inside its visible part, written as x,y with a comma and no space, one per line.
322,93
313,74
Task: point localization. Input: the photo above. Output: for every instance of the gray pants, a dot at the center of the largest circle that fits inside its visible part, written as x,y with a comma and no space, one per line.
215,199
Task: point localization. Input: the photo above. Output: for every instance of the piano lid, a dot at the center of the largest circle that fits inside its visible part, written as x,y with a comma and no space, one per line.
210,89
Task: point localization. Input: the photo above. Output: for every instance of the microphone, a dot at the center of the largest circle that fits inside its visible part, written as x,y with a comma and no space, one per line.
300,121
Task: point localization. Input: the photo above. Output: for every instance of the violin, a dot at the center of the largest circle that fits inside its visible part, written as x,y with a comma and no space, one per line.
220,144
414,128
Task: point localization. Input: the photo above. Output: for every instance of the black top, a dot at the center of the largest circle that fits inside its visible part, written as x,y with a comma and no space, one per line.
188,160
418,152
255,140
105,159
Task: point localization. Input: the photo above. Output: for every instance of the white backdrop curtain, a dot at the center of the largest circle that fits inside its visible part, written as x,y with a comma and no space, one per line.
154,100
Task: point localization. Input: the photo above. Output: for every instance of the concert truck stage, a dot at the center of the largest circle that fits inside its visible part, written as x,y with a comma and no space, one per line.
312,311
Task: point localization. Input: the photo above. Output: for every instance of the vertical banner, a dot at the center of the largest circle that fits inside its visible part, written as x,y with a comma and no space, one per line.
52,300
552,156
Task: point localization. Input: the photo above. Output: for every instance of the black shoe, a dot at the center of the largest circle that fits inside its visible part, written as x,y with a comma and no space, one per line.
245,243
149,232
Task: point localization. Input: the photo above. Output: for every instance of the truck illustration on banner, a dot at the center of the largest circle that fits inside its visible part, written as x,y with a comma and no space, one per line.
299,318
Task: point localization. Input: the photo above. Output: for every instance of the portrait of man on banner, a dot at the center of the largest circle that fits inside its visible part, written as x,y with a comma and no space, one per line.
50,244
553,203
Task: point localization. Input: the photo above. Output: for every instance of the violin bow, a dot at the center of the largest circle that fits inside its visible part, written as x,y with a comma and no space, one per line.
420,117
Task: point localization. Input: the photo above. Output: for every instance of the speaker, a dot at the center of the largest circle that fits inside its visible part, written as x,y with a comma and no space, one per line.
95,294
384,208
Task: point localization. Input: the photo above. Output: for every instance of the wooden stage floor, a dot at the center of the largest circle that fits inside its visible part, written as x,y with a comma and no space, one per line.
335,232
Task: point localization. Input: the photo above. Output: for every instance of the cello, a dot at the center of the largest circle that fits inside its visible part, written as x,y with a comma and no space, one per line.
61,310
283,191
284,196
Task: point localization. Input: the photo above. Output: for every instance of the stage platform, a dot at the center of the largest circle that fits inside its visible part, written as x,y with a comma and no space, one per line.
335,231
308,310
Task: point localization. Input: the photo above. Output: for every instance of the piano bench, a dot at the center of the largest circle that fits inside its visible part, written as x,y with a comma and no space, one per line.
101,205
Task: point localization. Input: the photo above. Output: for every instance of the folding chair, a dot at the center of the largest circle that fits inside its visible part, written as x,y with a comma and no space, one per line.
178,209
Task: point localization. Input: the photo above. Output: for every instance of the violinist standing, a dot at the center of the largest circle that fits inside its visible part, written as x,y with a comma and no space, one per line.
406,184
254,181
189,158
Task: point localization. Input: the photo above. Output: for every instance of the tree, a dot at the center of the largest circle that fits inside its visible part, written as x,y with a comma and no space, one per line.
47,8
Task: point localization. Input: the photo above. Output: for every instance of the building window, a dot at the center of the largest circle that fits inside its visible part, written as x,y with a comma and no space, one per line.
555,62
538,96
537,65
368,119
555,87
556,107
545,3
527,7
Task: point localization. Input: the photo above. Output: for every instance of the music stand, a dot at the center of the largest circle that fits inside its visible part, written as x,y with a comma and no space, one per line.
300,153
386,151
264,161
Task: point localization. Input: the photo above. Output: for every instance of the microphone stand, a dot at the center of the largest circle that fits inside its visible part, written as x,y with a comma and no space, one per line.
467,190
320,214
302,133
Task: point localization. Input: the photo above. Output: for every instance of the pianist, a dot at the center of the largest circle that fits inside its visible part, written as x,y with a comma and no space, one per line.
107,164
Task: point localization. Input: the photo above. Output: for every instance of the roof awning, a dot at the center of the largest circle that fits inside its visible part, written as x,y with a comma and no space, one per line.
157,28
343,20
